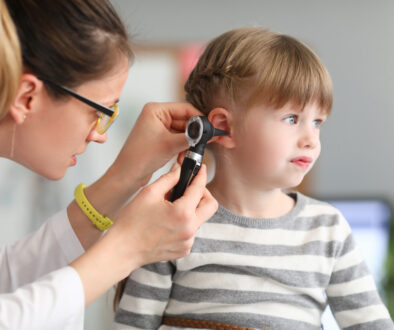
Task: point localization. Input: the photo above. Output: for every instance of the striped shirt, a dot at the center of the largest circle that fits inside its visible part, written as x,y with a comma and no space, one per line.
261,273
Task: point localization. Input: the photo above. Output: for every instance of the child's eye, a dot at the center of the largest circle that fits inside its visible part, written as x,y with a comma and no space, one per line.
292,120
317,123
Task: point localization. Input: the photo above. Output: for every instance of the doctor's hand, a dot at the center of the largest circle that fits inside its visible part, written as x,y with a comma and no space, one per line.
157,136
159,229
148,229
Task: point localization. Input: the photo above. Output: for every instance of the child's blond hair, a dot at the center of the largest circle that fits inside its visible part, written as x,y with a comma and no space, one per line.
254,65
10,60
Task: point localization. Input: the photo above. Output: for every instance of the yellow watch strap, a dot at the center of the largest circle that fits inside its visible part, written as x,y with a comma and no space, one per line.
100,221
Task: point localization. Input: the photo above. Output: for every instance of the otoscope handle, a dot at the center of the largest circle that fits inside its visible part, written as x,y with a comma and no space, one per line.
189,170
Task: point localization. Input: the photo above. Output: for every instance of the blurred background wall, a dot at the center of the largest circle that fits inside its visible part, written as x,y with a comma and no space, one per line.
353,38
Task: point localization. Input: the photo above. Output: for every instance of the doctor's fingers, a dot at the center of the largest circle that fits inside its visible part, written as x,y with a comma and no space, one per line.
157,190
194,192
176,114
183,248
197,202
206,208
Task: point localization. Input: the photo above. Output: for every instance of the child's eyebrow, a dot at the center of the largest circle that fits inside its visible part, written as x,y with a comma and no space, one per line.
321,113
290,109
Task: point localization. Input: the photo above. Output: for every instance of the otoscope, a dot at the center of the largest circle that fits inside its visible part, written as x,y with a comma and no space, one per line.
199,131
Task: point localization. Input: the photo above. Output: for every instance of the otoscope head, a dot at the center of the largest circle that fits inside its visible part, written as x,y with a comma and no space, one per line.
199,131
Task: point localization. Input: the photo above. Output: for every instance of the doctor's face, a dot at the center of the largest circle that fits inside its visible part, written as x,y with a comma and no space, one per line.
58,130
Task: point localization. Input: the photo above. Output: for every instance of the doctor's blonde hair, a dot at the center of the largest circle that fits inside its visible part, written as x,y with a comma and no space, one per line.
10,60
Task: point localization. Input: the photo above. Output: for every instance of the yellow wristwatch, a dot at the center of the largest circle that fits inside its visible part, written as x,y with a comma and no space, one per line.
100,221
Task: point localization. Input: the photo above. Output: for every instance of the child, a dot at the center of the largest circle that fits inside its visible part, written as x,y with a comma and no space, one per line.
266,259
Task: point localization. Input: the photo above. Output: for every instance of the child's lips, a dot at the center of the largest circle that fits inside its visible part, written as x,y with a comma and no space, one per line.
303,161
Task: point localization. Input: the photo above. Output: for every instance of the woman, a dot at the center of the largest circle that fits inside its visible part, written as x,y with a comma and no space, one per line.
75,62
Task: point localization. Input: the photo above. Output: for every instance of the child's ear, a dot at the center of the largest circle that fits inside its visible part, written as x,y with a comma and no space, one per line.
29,87
222,118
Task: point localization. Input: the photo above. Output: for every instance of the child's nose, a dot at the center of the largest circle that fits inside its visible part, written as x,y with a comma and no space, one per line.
308,140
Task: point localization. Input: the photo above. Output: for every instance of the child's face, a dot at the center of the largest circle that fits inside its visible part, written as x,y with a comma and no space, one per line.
276,148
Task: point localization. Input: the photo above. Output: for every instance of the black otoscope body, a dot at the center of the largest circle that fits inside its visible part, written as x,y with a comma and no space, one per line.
199,131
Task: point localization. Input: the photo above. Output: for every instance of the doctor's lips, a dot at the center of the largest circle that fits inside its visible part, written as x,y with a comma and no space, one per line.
74,158
303,161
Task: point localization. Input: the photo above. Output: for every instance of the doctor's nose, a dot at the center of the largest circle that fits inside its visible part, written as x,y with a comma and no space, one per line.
94,136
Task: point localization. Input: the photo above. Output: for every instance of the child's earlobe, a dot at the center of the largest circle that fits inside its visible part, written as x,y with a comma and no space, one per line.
222,119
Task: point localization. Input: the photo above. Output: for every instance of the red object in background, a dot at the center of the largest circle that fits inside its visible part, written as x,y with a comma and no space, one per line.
188,57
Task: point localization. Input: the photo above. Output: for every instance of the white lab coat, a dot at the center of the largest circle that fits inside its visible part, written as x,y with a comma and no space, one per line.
38,291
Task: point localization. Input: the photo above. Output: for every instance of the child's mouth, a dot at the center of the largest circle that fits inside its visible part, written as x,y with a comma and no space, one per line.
303,161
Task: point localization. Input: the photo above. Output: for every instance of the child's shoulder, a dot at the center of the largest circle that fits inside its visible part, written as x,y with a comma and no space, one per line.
321,211
315,203
312,204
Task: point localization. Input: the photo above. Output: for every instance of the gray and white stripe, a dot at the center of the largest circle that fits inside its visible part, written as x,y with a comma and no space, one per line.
261,273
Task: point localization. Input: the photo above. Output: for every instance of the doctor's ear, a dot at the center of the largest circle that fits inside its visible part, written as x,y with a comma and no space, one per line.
29,87
222,118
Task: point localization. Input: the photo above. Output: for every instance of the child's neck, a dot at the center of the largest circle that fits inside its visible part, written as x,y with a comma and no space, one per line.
244,200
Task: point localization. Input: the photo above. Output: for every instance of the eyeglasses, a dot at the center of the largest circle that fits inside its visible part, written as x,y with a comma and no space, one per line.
106,115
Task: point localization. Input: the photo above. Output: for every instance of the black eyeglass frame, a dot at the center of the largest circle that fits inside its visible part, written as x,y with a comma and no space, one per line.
83,99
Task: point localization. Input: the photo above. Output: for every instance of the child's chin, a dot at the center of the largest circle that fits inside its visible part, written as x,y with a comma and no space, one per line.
293,184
